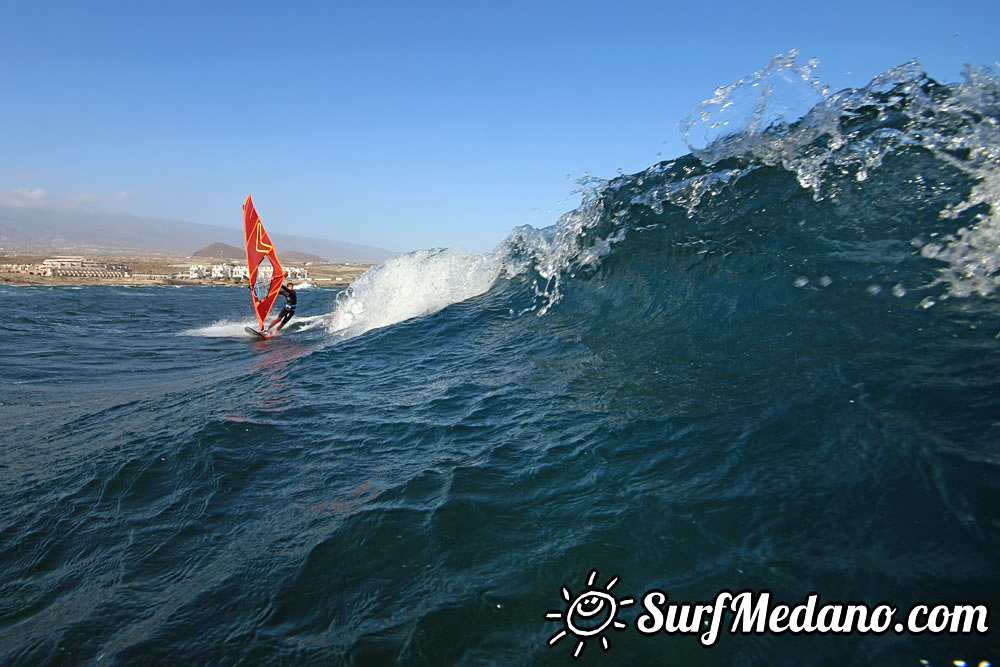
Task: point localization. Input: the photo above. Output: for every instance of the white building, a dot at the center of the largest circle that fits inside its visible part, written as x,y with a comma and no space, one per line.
79,267
264,273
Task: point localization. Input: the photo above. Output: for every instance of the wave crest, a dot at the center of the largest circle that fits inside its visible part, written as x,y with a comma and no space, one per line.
903,161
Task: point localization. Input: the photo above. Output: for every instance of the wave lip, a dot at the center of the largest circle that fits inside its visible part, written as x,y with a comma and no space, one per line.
781,116
765,118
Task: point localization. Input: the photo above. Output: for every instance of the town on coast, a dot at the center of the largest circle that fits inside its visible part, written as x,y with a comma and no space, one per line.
109,268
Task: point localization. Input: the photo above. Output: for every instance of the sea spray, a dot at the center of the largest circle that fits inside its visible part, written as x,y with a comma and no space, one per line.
832,143
849,134
579,239
426,281
411,285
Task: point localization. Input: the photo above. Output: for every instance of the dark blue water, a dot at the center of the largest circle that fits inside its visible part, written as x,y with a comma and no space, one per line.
769,365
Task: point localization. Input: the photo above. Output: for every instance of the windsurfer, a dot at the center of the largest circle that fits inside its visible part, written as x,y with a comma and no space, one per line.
287,291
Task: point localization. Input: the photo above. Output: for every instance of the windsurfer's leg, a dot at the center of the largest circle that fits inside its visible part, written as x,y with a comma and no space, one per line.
285,316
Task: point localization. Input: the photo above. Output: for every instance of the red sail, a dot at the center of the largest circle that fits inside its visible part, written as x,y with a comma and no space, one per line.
261,258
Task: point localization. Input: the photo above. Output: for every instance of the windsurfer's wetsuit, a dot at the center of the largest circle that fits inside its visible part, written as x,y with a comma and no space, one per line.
290,299
289,309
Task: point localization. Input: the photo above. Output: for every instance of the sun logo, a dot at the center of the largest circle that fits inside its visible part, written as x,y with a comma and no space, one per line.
589,614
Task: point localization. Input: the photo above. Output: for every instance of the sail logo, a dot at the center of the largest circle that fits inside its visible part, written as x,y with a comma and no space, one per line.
589,614
262,245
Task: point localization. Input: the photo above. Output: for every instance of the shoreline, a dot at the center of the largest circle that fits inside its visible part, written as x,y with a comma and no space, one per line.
158,270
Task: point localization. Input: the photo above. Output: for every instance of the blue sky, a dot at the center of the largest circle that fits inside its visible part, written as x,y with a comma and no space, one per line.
404,125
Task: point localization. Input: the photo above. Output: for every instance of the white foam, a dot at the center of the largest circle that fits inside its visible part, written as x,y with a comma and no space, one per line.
221,329
309,322
411,285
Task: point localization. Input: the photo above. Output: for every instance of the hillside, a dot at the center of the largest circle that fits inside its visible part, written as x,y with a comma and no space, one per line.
300,257
225,251
45,230
220,251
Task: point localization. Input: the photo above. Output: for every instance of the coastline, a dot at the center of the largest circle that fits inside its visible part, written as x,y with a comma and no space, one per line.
159,269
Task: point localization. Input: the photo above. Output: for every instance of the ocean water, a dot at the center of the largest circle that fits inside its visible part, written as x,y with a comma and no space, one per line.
772,364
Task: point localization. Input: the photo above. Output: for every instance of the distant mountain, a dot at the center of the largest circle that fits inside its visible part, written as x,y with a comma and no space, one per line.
226,251
27,228
300,257
220,251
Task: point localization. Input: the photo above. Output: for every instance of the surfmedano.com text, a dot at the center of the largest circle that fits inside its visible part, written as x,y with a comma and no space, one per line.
754,613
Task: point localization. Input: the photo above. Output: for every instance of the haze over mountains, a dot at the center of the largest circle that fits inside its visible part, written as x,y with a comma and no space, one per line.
26,229
226,251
